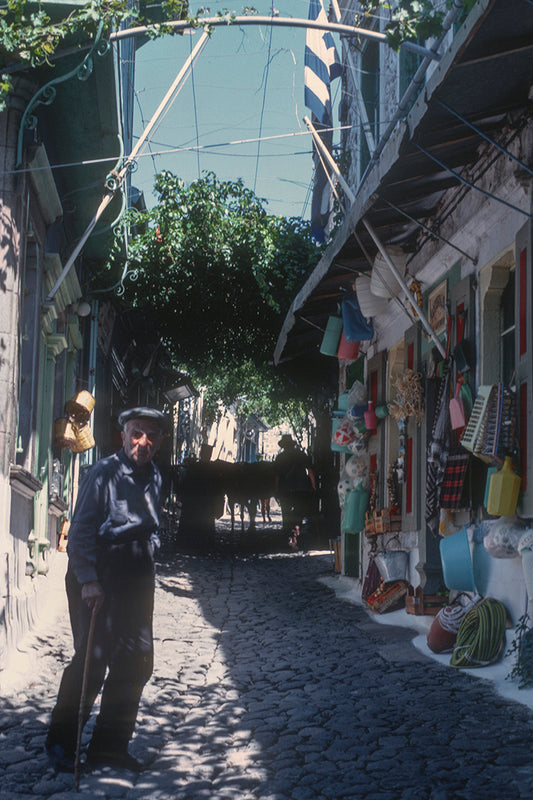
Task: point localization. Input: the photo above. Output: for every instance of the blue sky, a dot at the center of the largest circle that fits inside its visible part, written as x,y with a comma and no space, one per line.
226,101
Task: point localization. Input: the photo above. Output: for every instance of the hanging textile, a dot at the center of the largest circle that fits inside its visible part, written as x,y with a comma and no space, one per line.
438,449
356,327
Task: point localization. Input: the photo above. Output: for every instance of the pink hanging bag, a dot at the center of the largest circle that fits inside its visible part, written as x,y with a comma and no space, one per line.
457,410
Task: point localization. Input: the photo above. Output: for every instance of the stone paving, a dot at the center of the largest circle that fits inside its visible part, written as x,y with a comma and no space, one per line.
268,687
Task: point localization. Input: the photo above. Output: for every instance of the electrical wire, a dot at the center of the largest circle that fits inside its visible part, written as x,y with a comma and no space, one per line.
265,85
195,108
472,185
90,162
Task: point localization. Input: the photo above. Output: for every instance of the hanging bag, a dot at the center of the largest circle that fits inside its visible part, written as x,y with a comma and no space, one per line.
372,580
332,335
457,410
356,327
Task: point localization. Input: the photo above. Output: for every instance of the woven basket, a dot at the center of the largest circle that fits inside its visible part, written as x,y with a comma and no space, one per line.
84,439
64,433
80,406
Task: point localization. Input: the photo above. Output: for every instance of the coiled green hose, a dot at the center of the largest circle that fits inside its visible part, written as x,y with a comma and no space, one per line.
480,639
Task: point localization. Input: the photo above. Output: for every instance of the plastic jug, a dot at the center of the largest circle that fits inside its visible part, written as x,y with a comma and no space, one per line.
332,335
504,490
355,506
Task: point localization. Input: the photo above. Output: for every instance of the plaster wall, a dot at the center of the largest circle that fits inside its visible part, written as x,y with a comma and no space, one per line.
13,192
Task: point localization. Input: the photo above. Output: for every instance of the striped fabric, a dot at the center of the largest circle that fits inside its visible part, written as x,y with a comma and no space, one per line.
322,65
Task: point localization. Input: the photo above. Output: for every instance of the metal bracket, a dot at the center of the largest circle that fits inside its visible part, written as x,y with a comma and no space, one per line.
47,93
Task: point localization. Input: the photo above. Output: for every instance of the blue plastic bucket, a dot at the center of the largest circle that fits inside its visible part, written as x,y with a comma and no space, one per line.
456,560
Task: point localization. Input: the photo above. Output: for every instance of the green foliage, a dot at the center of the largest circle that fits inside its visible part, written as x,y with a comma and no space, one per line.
217,274
28,35
522,649
408,20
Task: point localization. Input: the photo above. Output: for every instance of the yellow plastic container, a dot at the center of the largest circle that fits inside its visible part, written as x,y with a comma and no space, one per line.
504,490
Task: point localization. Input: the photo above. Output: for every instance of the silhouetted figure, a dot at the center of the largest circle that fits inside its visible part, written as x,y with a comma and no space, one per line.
295,486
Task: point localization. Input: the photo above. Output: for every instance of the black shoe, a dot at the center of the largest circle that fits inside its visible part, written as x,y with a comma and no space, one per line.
60,759
113,758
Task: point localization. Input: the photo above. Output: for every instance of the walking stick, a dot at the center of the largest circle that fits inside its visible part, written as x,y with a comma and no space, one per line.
81,710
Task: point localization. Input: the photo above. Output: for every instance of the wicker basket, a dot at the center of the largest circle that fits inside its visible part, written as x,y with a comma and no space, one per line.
80,406
64,433
84,439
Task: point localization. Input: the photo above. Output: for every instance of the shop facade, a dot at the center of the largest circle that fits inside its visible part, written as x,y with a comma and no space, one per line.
440,195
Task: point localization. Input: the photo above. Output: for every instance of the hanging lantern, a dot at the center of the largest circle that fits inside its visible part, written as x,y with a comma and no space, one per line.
369,303
383,283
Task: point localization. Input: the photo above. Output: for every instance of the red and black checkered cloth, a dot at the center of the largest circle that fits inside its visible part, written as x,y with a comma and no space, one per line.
451,492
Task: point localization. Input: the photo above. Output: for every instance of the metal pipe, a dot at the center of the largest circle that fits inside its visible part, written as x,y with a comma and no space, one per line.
115,180
488,139
431,232
471,185
399,277
283,22
413,87
323,151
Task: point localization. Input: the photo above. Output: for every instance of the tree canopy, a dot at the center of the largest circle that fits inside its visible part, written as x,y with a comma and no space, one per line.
217,273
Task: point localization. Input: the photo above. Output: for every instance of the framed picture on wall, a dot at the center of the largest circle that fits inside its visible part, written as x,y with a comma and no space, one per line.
437,308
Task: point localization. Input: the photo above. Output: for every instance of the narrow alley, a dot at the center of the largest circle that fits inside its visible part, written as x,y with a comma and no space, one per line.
268,687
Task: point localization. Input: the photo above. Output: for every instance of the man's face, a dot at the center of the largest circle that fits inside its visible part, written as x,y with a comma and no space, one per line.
141,439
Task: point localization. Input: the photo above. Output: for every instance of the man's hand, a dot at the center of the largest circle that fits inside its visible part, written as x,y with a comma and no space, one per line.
92,594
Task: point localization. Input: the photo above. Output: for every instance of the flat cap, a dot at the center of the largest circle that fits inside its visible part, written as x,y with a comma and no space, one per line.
143,412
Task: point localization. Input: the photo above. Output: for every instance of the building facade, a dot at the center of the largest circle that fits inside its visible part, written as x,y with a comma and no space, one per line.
435,177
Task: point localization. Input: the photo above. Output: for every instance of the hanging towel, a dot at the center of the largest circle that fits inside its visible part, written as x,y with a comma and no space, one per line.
438,449
356,326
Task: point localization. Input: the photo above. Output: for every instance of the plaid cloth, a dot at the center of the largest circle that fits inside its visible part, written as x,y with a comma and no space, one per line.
453,481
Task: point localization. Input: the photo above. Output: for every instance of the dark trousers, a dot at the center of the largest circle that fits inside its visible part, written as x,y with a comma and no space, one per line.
294,507
122,648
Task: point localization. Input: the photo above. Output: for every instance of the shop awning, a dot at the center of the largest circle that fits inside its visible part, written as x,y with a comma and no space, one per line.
478,93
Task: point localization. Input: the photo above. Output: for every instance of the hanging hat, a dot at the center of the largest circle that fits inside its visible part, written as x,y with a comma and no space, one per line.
143,412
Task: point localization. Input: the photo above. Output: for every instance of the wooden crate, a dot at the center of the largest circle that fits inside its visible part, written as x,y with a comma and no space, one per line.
420,604
370,528
388,595
385,522
335,549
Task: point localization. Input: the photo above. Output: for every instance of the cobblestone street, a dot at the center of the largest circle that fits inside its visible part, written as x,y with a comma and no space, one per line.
268,687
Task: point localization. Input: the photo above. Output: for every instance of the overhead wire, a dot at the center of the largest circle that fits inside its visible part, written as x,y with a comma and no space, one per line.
89,162
471,185
195,108
265,85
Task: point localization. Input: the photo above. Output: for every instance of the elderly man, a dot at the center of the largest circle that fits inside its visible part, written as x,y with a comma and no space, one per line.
111,571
